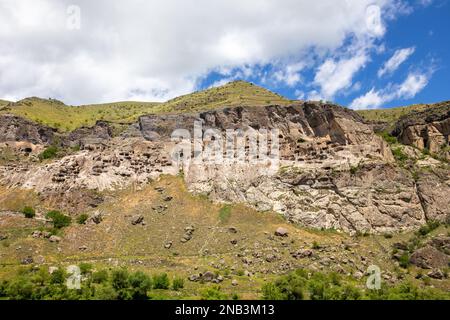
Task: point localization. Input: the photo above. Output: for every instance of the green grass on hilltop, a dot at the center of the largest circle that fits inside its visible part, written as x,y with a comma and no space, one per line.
3,103
56,114
237,93
391,115
67,118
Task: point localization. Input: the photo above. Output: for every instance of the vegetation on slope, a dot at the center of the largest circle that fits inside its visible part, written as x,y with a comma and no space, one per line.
56,114
302,285
120,284
392,115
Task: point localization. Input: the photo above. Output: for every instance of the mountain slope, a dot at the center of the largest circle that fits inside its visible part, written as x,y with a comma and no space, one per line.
65,118
392,115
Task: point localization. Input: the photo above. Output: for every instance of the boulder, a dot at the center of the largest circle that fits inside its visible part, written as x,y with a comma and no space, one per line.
97,217
137,219
27,260
429,257
436,274
281,232
54,239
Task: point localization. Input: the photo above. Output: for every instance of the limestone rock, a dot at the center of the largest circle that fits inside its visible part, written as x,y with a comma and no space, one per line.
429,257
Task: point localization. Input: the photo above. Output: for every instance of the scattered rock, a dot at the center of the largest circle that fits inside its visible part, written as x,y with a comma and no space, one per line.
27,260
429,257
52,269
168,244
160,208
193,277
234,282
302,253
400,246
54,238
82,248
137,219
436,274
281,232
46,234
233,241
36,234
97,217
232,230
189,230
271,258
441,243
3,237
167,198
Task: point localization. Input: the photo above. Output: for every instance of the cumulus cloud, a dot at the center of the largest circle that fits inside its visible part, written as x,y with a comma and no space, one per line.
155,50
334,76
409,88
395,61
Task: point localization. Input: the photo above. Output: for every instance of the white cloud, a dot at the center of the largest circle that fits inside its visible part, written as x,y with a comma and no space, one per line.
370,100
413,84
395,61
290,74
333,76
155,50
425,3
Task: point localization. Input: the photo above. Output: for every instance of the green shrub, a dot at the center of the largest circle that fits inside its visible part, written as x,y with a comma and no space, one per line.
85,268
100,276
213,293
430,226
82,218
315,245
161,281
388,137
399,155
177,283
354,169
58,276
59,220
404,260
140,283
225,213
49,153
29,212
119,279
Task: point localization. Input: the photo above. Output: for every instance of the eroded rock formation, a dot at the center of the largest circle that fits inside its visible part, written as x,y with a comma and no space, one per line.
334,171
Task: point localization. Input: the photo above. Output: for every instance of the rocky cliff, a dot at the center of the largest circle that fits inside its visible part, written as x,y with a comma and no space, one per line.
334,171
429,129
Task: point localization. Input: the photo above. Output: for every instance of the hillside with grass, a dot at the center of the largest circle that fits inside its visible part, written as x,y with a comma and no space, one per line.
392,115
65,118
3,103
189,238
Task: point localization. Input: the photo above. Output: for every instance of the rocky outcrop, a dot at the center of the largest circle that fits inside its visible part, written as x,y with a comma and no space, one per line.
14,128
85,137
429,257
333,171
428,129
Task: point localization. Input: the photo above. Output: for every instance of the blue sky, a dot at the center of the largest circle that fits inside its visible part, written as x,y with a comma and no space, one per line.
422,34
358,53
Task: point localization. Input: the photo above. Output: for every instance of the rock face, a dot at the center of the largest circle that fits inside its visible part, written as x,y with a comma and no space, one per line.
428,129
429,257
85,137
333,171
14,128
